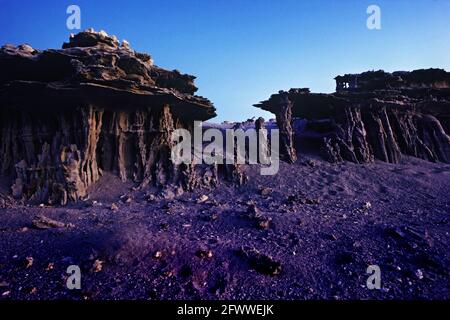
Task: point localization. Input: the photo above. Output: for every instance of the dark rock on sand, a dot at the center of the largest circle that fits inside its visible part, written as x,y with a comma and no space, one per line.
261,262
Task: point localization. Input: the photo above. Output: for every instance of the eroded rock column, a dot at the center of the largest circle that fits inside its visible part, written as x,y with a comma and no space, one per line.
284,122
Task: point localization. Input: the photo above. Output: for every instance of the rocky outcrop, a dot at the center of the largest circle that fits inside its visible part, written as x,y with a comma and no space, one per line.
381,80
284,121
375,115
95,105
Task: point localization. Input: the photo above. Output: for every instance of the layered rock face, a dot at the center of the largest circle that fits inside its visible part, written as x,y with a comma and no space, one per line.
373,115
95,105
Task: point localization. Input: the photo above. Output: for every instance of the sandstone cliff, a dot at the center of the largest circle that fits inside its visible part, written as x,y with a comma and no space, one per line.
95,105
373,115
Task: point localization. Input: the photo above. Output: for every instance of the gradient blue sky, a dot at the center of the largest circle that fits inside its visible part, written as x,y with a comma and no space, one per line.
244,50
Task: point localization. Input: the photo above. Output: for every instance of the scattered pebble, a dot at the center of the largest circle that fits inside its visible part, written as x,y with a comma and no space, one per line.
264,223
265,191
126,199
97,266
367,205
311,163
167,194
419,274
97,204
202,198
30,261
164,226
151,198
214,216
253,211
43,222
204,253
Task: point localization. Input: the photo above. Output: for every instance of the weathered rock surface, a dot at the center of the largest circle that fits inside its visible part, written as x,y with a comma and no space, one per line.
373,115
284,121
96,105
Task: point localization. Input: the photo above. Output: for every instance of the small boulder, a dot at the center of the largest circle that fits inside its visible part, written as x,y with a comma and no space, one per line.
203,254
203,198
253,211
265,191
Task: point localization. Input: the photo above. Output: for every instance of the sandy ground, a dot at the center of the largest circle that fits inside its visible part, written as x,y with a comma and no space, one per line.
316,228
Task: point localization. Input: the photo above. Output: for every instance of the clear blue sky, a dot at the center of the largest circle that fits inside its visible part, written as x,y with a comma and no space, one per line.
244,50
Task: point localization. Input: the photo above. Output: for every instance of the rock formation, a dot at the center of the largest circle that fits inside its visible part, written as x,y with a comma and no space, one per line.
95,105
373,115
284,121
